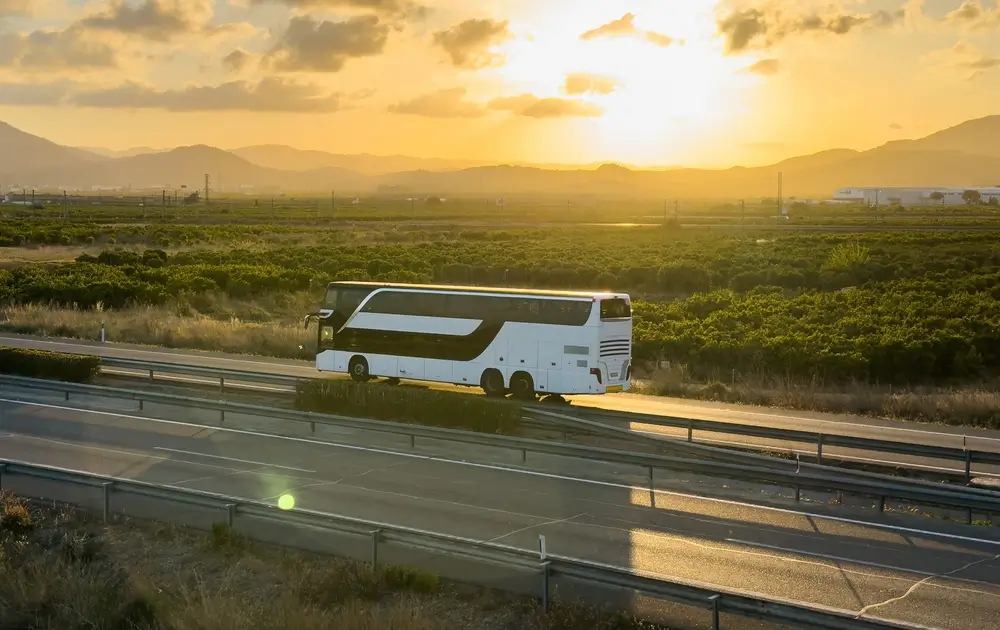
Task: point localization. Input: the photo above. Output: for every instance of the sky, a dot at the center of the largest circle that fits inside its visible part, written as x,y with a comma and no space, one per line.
646,82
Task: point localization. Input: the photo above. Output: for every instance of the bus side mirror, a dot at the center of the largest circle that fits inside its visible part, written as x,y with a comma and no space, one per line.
308,318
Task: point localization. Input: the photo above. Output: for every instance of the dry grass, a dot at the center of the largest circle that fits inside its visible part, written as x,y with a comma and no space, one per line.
975,406
175,326
62,570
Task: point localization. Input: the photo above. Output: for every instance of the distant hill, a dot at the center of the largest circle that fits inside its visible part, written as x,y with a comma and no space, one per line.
980,136
965,155
22,152
187,166
113,153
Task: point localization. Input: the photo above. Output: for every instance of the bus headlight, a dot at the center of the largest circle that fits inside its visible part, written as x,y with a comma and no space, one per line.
326,333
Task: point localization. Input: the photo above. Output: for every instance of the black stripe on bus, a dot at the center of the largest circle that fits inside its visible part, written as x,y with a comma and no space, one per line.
415,344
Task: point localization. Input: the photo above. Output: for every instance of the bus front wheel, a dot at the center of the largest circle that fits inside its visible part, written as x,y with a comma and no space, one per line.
358,368
523,386
492,383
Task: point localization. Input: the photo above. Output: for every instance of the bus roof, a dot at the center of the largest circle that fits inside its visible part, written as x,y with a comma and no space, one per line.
474,289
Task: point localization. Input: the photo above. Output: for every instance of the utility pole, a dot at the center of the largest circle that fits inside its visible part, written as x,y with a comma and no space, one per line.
163,204
207,183
743,214
64,211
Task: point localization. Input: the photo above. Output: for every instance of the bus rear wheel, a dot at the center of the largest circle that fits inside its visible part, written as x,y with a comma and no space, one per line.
523,386
358,368
492,383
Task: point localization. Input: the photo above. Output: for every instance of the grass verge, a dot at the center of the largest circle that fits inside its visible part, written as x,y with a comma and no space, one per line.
51,365
415,405
61,569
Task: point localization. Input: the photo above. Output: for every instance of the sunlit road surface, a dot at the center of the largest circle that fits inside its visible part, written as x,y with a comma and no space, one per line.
946,578
860,426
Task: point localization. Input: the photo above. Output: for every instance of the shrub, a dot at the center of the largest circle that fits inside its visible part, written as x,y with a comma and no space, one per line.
409,404
50,365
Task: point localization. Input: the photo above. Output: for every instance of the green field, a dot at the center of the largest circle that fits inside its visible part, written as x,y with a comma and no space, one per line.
878,307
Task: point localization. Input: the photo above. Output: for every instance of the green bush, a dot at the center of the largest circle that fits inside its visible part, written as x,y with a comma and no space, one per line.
51,365
451,410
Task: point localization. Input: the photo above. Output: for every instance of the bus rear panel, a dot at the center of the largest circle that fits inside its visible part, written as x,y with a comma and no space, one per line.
518,340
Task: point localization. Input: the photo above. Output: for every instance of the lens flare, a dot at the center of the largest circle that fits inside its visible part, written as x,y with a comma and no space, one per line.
286,502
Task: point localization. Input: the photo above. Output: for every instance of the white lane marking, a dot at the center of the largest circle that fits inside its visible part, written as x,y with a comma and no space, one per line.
103,449
555,521
230,459
229,474
773,416
110,353
831,453
876,565
533,473
926,580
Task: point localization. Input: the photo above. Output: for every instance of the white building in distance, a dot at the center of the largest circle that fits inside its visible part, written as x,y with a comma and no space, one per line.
889,195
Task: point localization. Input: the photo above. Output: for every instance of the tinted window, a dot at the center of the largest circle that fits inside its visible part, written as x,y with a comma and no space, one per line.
615,308
330,300
348,300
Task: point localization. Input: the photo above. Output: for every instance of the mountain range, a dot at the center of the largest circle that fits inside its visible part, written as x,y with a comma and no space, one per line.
965,155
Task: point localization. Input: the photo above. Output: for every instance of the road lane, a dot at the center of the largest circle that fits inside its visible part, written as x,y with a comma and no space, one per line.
876,428
948,583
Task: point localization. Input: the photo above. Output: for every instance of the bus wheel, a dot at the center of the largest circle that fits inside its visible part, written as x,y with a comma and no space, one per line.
358,367
492,384
523,386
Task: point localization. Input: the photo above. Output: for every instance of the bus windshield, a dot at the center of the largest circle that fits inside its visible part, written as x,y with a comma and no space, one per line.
615,308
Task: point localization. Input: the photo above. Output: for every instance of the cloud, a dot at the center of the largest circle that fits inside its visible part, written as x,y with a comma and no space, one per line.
468,44
236,61
446,103
625,27
156,20
764,67
973,15
965,56
16,7
581,83
535,107
388,8
310,45
268,95
744,29
55,50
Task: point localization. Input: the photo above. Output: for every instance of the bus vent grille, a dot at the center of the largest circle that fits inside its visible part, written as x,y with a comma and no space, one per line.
616,347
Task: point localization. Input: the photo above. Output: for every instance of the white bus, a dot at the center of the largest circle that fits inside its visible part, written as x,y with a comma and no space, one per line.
516,341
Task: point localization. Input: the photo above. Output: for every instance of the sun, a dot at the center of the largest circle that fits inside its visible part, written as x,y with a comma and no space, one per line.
662,94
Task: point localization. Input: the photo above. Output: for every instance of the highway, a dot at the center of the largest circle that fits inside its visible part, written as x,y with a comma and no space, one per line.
946,578
860,426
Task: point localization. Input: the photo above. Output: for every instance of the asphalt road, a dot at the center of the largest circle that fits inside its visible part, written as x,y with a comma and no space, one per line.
860,426
946,578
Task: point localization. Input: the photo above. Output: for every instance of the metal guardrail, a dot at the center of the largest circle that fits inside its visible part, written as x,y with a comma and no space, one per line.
717,600
800,477
821,440
965,455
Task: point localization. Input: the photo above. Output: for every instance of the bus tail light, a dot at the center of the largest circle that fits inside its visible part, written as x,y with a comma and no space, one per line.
597,372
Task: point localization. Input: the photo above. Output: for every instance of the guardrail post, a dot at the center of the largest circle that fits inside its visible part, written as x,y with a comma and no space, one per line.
222,385
375,538
103,335
798,492
222,416
3,471
881,504
230,514
107,500
715,611
67,394
413,441
968,466
524,455
542,555
140,404
151,374
312,427
819,450
690,431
